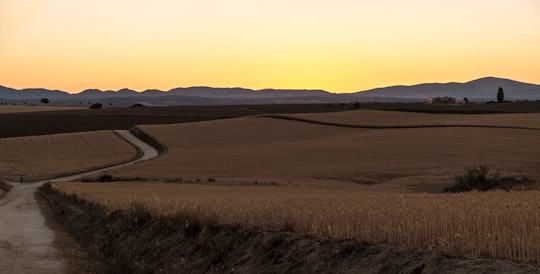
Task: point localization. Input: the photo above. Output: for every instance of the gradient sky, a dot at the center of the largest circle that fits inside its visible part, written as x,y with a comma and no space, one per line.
336,45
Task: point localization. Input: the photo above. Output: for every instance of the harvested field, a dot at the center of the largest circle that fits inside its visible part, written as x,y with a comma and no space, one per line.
400,119
22,109
270,151
77,120
41,157
500,225
507,107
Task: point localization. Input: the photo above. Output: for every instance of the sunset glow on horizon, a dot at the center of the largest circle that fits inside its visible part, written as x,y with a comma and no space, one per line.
338,46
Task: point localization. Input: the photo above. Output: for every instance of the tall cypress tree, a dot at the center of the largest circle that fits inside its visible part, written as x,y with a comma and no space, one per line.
500,95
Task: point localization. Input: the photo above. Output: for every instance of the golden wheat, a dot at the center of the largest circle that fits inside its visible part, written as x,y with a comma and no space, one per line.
500,225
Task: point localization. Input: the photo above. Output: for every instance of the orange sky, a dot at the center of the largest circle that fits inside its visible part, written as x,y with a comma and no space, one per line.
339,46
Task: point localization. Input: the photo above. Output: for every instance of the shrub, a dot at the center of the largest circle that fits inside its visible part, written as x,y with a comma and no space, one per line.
105,178
476,177
96,106
479,178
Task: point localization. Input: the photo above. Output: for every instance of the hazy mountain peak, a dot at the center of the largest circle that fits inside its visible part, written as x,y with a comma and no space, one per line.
494,81
90,90
479,89
126,90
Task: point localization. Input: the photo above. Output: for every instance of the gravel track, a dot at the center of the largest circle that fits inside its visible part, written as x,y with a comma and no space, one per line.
26,242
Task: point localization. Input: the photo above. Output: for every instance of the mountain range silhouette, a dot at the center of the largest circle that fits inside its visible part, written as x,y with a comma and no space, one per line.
483,89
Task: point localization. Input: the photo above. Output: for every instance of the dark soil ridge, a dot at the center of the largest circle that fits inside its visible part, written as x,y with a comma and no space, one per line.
304,120
134,241
4,188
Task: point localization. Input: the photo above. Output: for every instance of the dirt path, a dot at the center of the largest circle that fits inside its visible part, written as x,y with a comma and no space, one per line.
26,243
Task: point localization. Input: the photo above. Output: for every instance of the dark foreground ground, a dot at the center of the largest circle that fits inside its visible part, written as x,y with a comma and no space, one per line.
135,241
51,122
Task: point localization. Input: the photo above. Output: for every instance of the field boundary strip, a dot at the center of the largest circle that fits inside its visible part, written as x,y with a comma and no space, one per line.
304,120
145,137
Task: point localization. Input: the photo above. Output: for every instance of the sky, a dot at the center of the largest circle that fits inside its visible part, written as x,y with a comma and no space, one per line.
335,45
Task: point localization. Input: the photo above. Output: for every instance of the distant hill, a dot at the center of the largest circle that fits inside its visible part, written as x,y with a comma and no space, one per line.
484,89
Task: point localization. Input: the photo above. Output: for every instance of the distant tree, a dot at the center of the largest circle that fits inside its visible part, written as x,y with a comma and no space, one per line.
96,106
466,100
138,105
500,95
44,100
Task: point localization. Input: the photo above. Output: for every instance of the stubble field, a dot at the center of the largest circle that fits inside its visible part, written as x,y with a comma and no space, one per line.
273,151
26,109
378,118
47,156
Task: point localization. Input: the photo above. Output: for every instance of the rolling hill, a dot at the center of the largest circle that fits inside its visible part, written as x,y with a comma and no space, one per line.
483,89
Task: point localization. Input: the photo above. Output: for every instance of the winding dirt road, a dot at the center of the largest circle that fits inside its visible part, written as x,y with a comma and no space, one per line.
26,243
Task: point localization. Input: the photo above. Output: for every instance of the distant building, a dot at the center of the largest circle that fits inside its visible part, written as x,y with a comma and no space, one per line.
441,100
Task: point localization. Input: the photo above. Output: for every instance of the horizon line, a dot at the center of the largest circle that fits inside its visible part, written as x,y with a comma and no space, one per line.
263,89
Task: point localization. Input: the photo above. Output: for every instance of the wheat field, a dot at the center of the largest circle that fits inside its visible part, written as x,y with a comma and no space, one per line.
500,225
38,157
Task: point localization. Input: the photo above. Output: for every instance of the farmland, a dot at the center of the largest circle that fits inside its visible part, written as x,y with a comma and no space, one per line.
501,225
377,118
26,109
382,186
264,150
364,176
47,156
77,120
